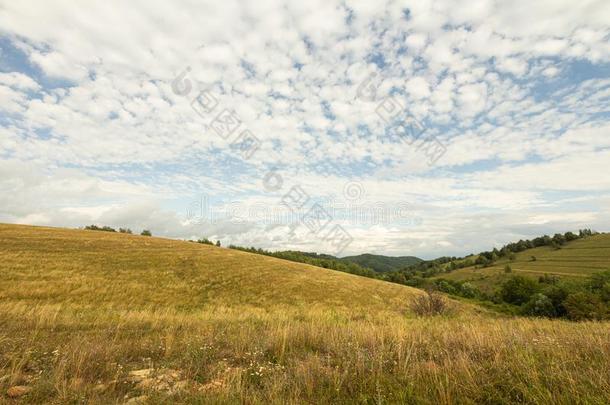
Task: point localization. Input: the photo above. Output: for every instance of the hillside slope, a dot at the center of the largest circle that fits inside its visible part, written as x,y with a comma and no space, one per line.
104,318
574,260
382,263
91,267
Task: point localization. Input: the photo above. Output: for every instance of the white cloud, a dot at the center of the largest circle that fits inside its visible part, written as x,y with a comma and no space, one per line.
109,141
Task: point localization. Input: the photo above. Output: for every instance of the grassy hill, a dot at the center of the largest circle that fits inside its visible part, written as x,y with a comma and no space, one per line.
101,318
575,260
382,263
89,267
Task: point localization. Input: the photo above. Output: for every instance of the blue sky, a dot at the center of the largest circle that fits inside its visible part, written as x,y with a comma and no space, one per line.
209,120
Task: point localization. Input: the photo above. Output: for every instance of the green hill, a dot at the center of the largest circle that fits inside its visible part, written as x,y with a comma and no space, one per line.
382,263
575,260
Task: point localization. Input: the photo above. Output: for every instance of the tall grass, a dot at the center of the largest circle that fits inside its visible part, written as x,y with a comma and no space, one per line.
80,311
288,355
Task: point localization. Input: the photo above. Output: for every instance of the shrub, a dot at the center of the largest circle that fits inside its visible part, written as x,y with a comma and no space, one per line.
97,228
125,230
604,293
548,279
146,232
518,290
445,286
430,304
599,280
218,243
557,295
416,281
469,290
583,305
508,269
539,305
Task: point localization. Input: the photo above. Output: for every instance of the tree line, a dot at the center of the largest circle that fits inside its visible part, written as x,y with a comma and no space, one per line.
145,232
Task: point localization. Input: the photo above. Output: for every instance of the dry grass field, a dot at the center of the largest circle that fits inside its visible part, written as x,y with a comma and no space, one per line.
103,318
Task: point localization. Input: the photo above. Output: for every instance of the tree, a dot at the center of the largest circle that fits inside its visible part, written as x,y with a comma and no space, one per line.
559,239
518,290
469,290
583,233
97,228
557,295
570,236
218,243
583,305
539,305
444,286
146,232
548,279
598,280
604,292
600,285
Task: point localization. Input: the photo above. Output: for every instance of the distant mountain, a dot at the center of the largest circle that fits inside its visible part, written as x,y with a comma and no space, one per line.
367,265
315,259
381,263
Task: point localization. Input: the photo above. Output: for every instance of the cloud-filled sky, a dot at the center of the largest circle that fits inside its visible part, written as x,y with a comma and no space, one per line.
422,128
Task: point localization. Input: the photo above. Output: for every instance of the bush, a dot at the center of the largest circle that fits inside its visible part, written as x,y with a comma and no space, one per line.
97,228
557,295
604,293
599,279
416,281
469,290
445,286
125,230
508,269
430,304
539,305
583,306
146,232
518,290
548,279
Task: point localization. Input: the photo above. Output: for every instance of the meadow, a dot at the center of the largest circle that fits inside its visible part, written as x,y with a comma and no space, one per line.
96,317
575,261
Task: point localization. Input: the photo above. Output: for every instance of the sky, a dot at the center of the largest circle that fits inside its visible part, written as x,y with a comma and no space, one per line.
424,128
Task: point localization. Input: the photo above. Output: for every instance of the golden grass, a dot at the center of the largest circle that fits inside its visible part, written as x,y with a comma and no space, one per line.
80,310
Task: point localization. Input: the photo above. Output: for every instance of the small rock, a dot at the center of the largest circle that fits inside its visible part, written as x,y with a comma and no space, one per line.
100,388
18,391
138,400
146,383
213,385
139,375
180,385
